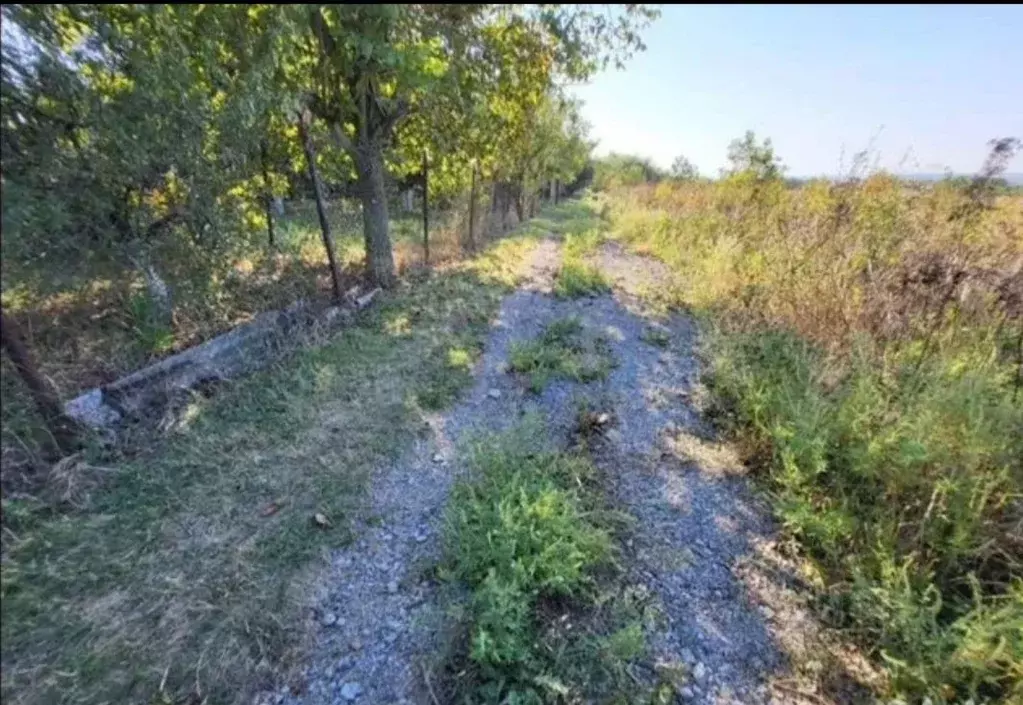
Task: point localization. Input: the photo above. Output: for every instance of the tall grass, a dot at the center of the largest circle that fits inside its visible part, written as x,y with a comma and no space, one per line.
866,342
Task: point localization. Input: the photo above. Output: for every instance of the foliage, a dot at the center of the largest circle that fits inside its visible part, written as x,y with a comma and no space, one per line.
683,170
746,155
617,170
146,144
576,279
864,345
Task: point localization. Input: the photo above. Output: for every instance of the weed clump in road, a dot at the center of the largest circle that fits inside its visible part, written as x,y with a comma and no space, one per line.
577,278
526,535
564,351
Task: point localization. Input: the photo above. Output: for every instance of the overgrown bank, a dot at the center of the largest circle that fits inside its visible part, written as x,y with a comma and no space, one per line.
865,342
181,572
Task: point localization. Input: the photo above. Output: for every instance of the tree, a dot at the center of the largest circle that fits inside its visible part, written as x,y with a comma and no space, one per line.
126,127
747,155
683,170
373,65
617,170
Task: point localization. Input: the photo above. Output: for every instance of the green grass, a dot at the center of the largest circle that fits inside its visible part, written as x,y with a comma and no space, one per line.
189,565
898,493
565,350
576,279
544,622
657,337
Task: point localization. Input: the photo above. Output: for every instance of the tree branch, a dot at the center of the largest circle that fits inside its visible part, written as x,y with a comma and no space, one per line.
343,141
401,110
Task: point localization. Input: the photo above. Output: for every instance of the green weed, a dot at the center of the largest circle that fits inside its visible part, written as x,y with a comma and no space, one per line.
563,351
657,337
576,279
526,537
153,335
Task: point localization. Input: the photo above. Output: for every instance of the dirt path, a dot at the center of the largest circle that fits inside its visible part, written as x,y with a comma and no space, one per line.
697,527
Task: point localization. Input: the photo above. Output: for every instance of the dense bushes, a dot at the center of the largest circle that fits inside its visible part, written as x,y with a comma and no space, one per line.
865,341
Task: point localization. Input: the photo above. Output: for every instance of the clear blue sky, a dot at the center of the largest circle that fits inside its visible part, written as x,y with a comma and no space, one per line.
932,82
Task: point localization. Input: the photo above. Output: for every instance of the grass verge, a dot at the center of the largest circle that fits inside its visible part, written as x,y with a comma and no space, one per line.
184,575
563,351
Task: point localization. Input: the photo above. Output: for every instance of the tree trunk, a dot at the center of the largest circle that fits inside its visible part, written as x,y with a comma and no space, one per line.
495,198
63,429
426,211
554,191
375,221
321,211
408,202
268,196
472,211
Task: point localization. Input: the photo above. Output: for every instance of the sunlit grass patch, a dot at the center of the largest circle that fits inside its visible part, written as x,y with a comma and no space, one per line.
576,279
565,350
545,620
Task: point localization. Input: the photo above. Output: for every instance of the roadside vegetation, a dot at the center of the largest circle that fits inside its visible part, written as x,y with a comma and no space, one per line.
865,344
577,277
545,621
184,568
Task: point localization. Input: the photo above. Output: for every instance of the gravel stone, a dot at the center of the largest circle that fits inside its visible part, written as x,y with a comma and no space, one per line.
700,673
351,691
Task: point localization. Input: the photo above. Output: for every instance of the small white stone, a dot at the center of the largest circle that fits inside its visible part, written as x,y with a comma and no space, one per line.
700,673
494,393
351,691
438,458
392,587
329,619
